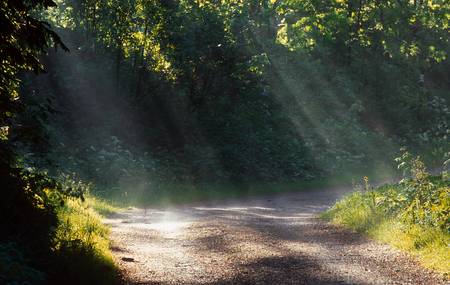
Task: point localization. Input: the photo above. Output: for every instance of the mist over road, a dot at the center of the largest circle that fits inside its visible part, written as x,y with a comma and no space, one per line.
277,239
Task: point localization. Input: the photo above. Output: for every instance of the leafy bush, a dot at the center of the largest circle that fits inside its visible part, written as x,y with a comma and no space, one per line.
422,199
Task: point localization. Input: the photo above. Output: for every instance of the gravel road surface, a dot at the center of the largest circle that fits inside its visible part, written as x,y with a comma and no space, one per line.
277,239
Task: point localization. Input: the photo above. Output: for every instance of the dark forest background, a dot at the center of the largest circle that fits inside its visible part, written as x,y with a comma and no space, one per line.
204,91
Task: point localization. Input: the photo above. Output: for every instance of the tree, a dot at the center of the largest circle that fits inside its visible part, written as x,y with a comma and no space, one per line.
23,38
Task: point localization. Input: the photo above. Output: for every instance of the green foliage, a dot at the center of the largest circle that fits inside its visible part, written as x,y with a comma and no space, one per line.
101,206
23,39
355,211
424,200
413,215
27,209
430,245
56,234
81,246
37,244
382,72
242,91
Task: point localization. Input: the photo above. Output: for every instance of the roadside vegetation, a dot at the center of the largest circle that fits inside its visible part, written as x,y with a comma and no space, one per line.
412,215
63,241
81,244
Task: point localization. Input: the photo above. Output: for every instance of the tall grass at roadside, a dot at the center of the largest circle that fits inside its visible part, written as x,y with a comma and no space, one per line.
412,215
429,244
81,244
62,240
101,206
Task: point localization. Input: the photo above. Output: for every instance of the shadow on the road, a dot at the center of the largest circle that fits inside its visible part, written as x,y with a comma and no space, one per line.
295,224
213,243
272,271
290,269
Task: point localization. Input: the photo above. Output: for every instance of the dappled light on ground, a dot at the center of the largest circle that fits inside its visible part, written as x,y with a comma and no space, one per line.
259,241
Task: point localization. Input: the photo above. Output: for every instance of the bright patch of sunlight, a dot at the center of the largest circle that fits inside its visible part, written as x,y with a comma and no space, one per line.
263,208
251,212
220,209
167,227
234,208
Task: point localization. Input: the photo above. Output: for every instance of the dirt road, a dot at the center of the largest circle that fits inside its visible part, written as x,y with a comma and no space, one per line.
271,240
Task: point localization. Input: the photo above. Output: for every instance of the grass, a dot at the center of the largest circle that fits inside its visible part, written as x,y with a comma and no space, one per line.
101,206
361,211
81,245
430,245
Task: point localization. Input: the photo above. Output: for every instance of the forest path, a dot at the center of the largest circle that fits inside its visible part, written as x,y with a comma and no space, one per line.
272,240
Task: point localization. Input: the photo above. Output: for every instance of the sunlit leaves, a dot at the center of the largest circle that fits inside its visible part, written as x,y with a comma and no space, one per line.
23,39
4,132
311,24
258,63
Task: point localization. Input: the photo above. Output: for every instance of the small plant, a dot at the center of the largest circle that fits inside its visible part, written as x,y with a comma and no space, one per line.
70,186
427,201
404,161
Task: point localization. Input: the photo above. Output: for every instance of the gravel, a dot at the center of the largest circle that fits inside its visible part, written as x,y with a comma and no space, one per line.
272,240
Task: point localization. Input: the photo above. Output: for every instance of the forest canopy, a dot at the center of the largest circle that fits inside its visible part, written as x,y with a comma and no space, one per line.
242,90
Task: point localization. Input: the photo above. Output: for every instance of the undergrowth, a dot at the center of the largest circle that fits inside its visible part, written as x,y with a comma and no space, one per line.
101,206
73,248
412,215
81,244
